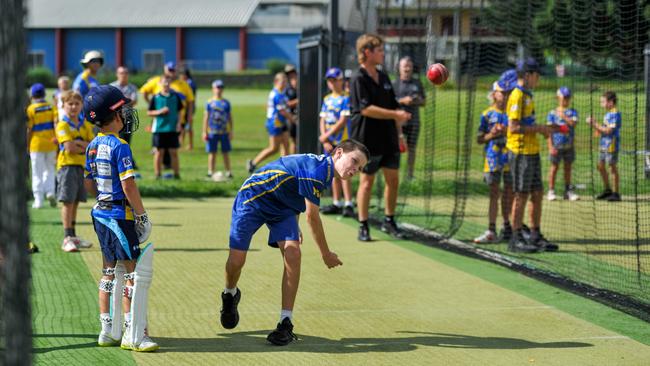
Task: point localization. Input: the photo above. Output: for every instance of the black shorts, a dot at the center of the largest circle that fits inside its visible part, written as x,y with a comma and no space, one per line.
411,133
526,173
293,130
389,161
165,140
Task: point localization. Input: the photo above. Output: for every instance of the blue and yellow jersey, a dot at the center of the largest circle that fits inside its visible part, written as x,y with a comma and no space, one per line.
334,107
496,153
41,119
277,102
218,111
562,141
84,82
108,162
611,143
521,107
280,188
67,130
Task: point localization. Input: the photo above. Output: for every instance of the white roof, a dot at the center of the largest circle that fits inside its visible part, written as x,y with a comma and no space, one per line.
138,13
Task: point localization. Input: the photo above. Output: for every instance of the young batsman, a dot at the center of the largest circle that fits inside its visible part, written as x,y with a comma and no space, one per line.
610,143
217,130
120,222
492,133
525,163
41,118
277,118
560,145
275,196
73,133
334,129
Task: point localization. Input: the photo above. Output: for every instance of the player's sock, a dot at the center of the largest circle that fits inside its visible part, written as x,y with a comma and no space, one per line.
349,204
285,314
68,232
389,218
534,233
105,318
507,224
492,227
232,291
337,203
364,223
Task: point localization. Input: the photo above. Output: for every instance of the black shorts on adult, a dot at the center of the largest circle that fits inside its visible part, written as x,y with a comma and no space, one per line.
389,161
293,130
526,173
166,140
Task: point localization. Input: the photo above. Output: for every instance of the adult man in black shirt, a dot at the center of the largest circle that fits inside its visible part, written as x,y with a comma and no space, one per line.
410,95
377,123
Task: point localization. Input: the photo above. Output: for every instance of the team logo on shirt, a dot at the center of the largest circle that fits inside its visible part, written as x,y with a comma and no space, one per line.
126,161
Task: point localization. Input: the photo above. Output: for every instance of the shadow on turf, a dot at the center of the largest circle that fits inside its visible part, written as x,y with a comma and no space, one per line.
254,341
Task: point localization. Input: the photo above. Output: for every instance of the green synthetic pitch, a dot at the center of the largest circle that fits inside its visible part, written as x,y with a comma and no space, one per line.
392,302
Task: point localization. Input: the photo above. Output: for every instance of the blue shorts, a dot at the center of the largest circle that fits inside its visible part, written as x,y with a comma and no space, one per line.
117,238
276,131
247,220
213,143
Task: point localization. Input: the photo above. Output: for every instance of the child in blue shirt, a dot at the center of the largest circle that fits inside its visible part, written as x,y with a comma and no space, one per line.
560,145
610,144
217,130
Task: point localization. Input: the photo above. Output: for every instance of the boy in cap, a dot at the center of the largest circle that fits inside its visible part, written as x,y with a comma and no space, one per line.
41,119
87,79
217,130
120,221
560,145
334,129
610,144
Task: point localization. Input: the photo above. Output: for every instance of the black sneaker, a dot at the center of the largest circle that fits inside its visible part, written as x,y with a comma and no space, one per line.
506,233
390,227
229,313
525,230
283,334
250,166
614,197
364,233
348,211
331,210
606,193
520,245
544,245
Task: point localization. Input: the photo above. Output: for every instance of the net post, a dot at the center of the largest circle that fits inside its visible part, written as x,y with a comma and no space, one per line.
646,77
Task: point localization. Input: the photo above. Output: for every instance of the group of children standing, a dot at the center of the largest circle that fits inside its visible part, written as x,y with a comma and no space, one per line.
508,130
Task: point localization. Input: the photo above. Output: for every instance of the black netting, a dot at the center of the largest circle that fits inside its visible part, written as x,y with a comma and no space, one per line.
588,46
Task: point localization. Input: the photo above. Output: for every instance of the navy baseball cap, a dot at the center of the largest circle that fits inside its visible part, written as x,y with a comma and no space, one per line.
508,80
170,65
102,101
334,73
528,65
564,92
217,84
37,90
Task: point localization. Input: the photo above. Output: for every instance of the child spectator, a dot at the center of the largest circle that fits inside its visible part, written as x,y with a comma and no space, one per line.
610,143
492,133
73,134
165,108
217,130
63,84
334,129
560,145
41,118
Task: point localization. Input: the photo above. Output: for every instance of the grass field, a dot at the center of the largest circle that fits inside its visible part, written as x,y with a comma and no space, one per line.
444,309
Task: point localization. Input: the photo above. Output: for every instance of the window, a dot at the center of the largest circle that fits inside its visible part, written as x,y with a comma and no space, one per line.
35,58
152,60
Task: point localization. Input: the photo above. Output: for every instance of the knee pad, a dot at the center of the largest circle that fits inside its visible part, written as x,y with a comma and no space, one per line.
106,286
108,271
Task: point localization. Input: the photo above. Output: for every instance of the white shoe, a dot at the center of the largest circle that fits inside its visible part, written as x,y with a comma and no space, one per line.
105,340
488,237
82,243
51,198
69,245
572,196
219,177
147,345
551,195
37,204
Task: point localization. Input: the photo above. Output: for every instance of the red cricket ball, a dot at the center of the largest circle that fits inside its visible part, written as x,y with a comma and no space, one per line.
437,74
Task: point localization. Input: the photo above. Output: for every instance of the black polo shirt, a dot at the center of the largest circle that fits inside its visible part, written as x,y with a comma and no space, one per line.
379,135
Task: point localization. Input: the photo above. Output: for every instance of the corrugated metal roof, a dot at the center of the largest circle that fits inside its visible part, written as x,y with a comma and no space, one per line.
138,13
